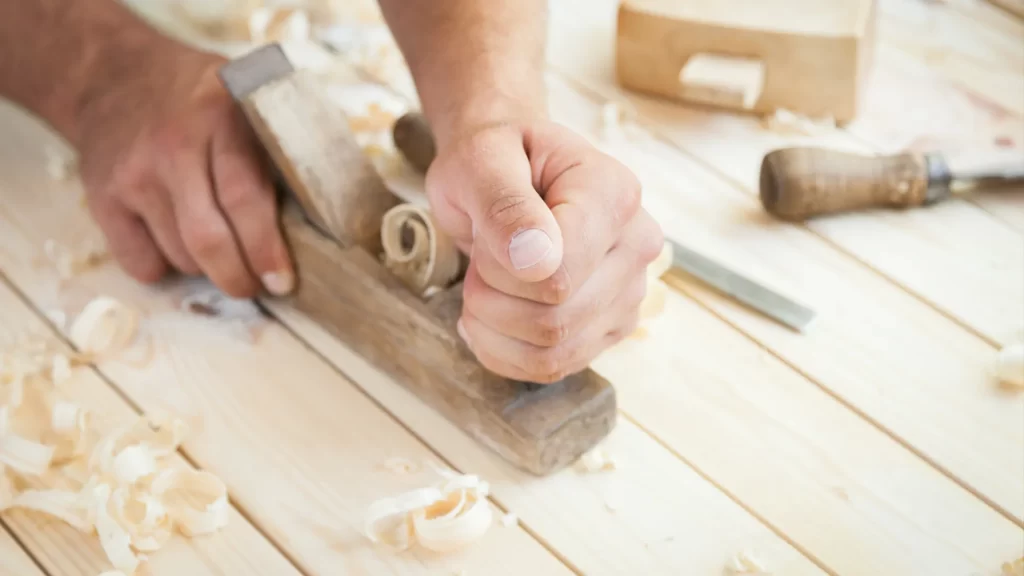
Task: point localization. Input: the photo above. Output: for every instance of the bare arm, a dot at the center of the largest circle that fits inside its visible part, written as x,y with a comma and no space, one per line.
172,174
475,62
58,54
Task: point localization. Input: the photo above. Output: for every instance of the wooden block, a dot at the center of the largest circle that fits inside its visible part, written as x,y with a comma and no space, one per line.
814,53
352,296
722,80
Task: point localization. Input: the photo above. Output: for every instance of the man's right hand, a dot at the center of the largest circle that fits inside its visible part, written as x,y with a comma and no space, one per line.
175,179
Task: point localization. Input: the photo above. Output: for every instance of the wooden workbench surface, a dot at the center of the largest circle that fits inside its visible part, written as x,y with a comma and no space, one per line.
876,444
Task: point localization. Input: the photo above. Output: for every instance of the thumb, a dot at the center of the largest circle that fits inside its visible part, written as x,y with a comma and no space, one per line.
507,213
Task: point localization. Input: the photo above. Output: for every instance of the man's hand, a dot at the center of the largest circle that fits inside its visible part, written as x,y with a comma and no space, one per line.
558,244
174,178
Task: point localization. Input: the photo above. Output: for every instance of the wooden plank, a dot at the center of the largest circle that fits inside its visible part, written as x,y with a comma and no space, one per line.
15,561
652,515
299,447
952,255
874,346
984,60
766,461
238,549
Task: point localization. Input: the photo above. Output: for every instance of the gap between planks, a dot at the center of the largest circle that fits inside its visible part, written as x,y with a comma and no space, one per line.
8,533
241,509
419,438
134,407
680,286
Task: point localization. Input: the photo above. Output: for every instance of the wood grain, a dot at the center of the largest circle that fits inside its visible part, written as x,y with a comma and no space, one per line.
882,351
238,549
774,440
15,561
311,143
1015,7
300,448
953,255
365,306
652,515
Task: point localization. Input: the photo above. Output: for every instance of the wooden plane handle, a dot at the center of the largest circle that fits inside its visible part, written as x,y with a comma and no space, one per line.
801,183
312,146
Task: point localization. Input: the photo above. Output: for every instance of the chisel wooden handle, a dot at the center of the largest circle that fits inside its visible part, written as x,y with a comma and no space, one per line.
412,136
800,183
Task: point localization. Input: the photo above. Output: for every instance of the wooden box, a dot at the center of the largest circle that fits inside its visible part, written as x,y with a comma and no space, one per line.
808,56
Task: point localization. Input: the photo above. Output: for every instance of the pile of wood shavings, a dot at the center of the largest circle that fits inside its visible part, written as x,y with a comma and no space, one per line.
69,263
119,485
1010,365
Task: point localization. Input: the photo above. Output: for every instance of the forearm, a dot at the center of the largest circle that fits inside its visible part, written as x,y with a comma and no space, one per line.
58,55
475,62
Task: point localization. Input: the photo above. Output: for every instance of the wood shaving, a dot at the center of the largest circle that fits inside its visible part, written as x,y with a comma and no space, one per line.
509,520
118,485
597,460
104,327
1015,568
278,24
443,518
416,250
70,264
789,123
1010,365
398,465
745,564
60,165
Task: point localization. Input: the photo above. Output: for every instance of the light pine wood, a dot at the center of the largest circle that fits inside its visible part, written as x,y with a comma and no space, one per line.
15,561
738,466
300,448
953,255
976,56
873,346
727,81
886,353
652,515
238,549
655,39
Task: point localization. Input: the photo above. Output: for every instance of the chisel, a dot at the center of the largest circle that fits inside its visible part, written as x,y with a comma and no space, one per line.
412,136
802,182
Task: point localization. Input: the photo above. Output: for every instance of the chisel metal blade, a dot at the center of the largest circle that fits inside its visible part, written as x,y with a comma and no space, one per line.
738,287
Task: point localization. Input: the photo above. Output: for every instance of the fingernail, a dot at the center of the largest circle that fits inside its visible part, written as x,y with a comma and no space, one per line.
462,331
279,283
528,247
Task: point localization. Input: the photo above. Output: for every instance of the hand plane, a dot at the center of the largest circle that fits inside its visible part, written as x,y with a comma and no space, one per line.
331,215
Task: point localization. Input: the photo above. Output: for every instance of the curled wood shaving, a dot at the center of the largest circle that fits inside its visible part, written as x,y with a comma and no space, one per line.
597,460
1015,568
442,518
70,263
119,485
105,326
278,24
786,122
416,250
1010,365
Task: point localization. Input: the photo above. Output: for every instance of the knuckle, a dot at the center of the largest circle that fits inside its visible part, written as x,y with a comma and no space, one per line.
549,364
556,289
234,197
551,327
629,199
505,212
